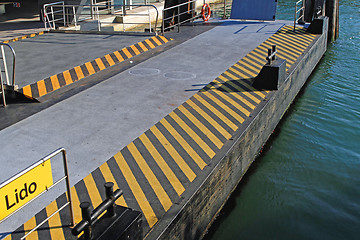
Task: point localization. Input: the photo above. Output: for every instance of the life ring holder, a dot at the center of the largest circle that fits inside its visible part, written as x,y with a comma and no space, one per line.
205,12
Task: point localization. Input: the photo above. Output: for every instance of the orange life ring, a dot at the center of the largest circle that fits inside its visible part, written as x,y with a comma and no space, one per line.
205,12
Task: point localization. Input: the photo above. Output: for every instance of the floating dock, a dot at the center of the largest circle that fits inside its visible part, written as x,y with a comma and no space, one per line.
175,126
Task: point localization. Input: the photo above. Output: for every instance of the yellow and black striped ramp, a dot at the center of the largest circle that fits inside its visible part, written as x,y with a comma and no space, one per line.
168,161
67,77
24,37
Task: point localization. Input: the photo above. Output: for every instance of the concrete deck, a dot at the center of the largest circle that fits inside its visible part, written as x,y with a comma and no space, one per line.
147,101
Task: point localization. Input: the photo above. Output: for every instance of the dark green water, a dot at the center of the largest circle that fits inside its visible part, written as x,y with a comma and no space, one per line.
307,183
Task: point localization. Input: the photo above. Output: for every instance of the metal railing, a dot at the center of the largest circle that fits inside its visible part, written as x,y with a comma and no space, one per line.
4,74
176,12
60,15
65,177
299,12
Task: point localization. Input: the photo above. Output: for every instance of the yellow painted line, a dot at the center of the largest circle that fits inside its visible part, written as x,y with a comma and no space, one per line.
109,60
100,64
106,172
185,145
253,89
41,87
67,77
250,73
174,181
90,68
298,38
27,91
243,75
156,40
246,93
55,82
225,107
8,237
55,224
202,128
295,42
118,56
174,154
209,119
236,95
79,72
221,116
163,38
258,54
199,141
93,191
127,53
76,205
136,51
250,66
252,61
136,190
28,226
149,43
150,176
143,47
289,47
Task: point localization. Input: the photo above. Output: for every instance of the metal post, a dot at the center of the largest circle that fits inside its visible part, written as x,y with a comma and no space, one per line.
110,196
86,215
178,15
3,92
68,189
273,52
5,65
64,14
224,9
269,54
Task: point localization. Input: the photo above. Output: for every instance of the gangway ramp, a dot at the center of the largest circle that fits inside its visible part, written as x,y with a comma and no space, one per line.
95,127
47,62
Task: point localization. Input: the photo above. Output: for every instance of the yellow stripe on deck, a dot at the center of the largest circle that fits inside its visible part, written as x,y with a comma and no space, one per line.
28,226
224,106
221,116
41,88
174,181
55,82
210,120
55,224
108,176
174,154
93,191
185,145
136,190
198,140
203,129
150,176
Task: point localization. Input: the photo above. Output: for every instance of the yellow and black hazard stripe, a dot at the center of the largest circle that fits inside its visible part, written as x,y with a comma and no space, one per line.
67,77
24,37
157,168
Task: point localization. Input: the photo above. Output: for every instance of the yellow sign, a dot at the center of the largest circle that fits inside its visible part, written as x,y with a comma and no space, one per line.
24,188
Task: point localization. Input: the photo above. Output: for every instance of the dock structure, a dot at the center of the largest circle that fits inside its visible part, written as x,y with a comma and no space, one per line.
175,130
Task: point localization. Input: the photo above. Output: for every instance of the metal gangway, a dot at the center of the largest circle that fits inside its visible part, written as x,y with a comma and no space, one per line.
7,81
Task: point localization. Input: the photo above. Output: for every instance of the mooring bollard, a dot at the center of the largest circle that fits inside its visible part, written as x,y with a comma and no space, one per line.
271,54
89,217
